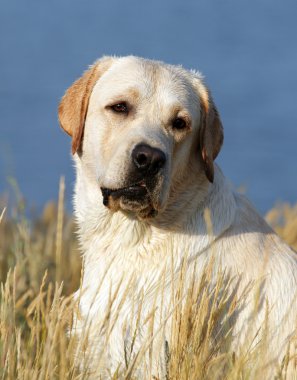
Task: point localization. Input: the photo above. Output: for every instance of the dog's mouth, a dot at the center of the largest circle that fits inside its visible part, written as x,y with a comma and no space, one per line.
135,198
135,192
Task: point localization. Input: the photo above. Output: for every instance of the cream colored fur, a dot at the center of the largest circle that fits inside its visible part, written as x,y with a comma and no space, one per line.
135,257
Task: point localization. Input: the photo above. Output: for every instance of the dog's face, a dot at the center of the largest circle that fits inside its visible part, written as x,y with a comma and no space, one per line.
138,126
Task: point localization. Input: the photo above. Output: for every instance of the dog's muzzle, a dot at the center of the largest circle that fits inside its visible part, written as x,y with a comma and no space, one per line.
138,194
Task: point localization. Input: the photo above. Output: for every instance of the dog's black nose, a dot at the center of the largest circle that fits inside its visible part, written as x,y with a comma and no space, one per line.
147,159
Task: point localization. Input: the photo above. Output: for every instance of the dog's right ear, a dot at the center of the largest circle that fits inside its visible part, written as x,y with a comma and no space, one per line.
74,104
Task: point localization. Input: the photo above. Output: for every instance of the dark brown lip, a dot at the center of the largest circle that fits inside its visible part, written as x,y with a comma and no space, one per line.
136,192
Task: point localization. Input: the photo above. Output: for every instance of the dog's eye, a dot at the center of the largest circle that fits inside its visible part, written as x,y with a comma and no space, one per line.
179,123
120,107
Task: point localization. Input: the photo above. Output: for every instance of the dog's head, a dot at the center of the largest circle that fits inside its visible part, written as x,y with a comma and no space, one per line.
138,127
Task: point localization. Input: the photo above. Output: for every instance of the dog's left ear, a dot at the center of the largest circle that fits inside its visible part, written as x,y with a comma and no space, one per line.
211,133
211,136
74,104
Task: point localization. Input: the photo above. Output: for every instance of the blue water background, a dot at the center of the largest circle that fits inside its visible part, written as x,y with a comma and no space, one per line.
247,51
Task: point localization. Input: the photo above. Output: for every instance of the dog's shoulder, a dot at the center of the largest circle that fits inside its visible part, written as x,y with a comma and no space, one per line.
250,243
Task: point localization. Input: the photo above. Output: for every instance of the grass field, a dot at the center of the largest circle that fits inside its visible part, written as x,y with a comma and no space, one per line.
40,267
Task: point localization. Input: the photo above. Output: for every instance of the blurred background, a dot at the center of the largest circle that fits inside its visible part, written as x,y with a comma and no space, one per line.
247,51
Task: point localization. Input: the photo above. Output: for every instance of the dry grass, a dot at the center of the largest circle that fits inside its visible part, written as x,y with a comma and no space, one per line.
283,219
40,268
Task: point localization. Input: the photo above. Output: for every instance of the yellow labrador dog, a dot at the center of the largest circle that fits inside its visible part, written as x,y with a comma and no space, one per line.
145,135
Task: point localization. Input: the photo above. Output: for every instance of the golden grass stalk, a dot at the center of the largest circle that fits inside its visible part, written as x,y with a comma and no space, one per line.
2,214
59,233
